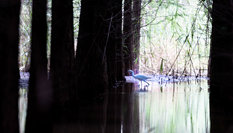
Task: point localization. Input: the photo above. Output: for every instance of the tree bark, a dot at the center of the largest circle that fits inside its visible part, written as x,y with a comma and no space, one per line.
40,92
114,41
136,29
221,42
221,72
9,32
91,64
62,51
128,35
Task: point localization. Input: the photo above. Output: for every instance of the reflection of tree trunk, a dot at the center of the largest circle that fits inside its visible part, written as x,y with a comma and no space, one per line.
221,72
9,33
136,29
111,113
120,110
128,109
87,118
136,126
39,98
114,113
128,35
221,110
62,50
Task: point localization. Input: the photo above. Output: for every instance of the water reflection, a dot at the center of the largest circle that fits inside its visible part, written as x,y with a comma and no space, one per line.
170,108
175,108
221,109
22,108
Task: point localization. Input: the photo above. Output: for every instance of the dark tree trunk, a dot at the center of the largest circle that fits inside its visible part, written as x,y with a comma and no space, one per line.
136,29
221,42
62,51
128,35
92,78
9,33
114,40
40,93
221,67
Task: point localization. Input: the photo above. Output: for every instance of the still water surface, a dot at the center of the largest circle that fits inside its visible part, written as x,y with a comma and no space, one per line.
175,108
168,108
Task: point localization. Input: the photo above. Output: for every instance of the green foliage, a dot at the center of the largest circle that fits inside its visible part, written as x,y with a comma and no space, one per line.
25,34
77,8
25,29
161,66
176,31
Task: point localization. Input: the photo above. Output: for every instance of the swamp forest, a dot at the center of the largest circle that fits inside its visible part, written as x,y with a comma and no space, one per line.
116,66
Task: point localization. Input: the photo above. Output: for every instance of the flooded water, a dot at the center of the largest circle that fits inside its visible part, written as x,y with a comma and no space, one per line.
175,108
161,108
22,108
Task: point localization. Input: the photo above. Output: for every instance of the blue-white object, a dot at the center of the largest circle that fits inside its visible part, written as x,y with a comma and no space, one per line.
139,77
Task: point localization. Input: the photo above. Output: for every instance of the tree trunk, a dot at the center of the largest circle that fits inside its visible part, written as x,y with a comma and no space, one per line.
128,35
136,29
114,40
9,42
91,67
62,50
221,72
40,93
221,42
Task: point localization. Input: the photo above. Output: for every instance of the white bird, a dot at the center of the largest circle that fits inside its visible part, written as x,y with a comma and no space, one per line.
139,77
